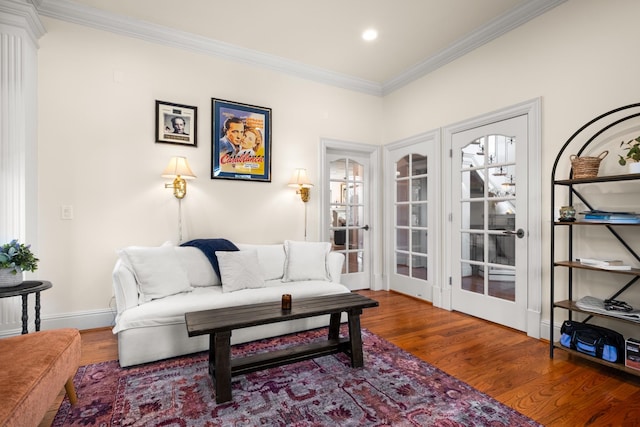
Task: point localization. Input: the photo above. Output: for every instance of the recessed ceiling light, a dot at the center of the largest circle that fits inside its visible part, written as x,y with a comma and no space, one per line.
370,34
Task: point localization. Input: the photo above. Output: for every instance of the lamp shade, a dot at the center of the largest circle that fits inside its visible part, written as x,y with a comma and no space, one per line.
178,166
299,179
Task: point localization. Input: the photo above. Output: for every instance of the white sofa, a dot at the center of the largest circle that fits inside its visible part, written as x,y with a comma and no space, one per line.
155,287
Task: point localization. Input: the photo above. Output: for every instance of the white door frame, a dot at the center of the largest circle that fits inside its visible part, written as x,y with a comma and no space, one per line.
373,152
531,109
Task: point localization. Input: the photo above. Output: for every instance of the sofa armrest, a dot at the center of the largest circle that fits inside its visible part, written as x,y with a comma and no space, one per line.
335,261
125,287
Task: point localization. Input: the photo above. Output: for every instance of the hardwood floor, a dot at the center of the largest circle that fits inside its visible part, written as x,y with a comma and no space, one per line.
501,362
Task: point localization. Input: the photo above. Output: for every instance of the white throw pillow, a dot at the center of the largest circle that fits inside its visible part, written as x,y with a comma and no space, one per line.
197,266
270,257
306,261
158,271
239,270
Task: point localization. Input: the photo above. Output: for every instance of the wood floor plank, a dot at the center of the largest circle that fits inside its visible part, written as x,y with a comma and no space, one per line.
505,364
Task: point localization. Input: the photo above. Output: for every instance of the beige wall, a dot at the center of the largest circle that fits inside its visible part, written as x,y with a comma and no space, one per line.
97,95
579,58
97,151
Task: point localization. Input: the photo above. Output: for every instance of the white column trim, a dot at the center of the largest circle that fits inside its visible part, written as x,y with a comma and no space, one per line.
22,15
20,29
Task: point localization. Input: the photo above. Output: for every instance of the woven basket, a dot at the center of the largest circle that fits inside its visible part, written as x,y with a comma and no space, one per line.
586,167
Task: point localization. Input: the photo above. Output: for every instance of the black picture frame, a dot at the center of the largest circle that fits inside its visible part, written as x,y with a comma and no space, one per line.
176,124
240,141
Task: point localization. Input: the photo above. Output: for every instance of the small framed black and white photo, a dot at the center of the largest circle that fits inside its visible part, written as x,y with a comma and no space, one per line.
176,124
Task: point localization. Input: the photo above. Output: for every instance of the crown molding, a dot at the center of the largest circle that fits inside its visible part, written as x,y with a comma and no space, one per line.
22,14
494,29
66,10
69,11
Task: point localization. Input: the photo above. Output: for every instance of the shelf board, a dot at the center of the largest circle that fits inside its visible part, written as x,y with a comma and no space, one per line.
609,178
618,366
571,305
600,223
574,264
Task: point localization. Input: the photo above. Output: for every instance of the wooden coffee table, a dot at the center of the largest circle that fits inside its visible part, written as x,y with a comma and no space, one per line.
218,324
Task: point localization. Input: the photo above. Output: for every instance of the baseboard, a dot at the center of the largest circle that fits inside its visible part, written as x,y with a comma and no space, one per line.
79,320
544,330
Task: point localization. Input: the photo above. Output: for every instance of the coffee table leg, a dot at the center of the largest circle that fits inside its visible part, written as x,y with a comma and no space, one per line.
355,338
334,326
212,356
222,365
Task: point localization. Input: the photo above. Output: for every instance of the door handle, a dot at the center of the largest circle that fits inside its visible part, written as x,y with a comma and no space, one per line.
365,227
519,233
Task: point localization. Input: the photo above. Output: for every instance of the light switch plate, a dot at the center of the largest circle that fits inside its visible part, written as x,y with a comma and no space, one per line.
66,212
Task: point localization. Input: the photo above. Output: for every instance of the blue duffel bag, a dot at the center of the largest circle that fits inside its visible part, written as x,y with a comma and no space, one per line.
593,340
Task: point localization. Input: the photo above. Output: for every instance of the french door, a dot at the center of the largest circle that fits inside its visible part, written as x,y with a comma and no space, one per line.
412,193
489,206
347,213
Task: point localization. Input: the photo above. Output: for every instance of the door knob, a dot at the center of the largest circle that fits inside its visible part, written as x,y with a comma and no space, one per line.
519,233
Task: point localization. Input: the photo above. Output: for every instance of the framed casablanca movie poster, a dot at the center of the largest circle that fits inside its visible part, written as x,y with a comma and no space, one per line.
240,141
176,124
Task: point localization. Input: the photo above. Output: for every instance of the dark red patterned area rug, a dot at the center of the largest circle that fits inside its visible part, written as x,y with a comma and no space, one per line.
393,389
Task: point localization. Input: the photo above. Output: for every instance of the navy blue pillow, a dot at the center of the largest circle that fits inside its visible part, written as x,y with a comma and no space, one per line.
209,248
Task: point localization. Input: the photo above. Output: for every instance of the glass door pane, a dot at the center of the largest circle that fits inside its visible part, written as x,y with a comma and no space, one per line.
487,205
347,193
411,207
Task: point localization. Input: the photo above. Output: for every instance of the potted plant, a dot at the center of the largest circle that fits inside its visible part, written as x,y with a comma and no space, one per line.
15,258
632,155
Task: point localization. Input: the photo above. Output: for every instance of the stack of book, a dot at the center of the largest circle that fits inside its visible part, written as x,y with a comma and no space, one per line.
607,264
611,217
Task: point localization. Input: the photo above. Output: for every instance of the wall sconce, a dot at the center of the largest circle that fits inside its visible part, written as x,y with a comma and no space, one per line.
178,169
300,181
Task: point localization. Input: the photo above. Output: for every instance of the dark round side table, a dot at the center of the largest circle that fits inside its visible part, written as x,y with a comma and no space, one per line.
24,289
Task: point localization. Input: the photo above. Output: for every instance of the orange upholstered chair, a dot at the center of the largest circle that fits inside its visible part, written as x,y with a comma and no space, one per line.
33,369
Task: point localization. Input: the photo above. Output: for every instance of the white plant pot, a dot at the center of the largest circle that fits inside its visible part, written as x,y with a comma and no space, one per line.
634,167
8,279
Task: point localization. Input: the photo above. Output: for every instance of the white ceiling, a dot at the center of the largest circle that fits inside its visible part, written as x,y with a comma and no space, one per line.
321,38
